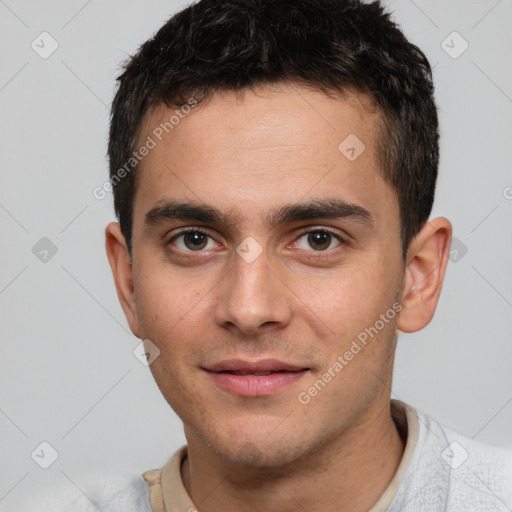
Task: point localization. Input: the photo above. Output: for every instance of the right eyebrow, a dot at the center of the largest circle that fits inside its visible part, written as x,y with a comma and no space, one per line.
175,210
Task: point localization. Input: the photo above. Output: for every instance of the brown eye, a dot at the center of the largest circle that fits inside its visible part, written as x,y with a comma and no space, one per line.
193,241
319,240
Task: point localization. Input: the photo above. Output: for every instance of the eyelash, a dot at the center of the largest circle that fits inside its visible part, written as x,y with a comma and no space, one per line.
313,253
335,235
187,231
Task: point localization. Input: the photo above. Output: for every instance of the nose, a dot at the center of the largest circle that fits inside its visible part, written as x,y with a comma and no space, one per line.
252,298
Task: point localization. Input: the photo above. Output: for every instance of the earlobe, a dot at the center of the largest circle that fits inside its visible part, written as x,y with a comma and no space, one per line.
427,258
119,259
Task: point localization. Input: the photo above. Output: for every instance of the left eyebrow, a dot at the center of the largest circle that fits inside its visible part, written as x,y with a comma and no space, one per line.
319,209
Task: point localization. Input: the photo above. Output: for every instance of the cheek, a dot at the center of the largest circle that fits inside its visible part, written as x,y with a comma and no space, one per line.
361,343
171,315
165,303
352,298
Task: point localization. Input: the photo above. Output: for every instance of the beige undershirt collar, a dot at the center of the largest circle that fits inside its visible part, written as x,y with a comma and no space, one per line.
168,494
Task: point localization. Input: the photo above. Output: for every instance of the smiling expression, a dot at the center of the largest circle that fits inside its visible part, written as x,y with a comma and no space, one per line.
260,252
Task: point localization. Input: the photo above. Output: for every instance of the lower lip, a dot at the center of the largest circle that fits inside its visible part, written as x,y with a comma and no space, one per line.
255,385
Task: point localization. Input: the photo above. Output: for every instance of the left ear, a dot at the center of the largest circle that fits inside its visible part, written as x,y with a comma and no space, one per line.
427,258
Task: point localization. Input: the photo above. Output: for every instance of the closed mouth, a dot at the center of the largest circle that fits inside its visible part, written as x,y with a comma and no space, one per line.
259,374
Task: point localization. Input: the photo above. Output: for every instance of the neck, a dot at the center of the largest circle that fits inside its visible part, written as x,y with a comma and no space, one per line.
349,473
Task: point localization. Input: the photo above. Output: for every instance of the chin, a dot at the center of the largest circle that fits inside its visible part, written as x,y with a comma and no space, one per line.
265,447
261,455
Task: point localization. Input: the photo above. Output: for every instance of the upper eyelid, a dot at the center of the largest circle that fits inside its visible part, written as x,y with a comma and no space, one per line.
332,232
187,230
324,253
304,231
207,231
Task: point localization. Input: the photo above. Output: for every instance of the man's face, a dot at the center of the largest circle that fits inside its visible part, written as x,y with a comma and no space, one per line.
259,246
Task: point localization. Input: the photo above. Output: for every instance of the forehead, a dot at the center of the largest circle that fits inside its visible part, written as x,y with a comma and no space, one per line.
289,111
262,148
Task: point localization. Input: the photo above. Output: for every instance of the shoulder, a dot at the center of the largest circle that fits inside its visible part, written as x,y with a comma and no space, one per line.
471,476
115,493
479,472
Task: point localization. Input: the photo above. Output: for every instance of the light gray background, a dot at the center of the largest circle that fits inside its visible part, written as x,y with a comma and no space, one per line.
69,376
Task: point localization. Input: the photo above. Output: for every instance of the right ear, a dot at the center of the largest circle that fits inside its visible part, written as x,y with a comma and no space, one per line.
119,259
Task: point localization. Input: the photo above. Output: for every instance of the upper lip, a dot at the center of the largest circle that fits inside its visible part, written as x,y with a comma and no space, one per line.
264,365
